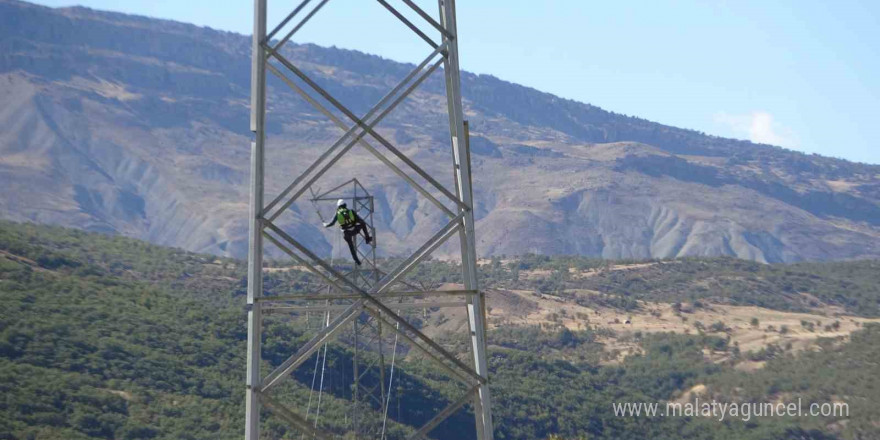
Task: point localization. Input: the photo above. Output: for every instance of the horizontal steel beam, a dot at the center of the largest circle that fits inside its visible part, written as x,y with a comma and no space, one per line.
384,295
401,306
333,199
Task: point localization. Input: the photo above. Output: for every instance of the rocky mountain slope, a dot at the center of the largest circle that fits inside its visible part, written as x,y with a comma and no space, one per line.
139,126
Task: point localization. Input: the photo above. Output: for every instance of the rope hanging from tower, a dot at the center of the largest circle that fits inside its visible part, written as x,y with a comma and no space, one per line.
323,362
390,380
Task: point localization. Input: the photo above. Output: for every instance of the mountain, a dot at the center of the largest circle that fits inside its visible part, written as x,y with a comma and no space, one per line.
137,126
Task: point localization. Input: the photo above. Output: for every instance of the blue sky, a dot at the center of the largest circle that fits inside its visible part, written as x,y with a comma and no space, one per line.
801,74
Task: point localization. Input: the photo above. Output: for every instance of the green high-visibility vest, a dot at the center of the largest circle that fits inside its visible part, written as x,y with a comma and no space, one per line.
345,217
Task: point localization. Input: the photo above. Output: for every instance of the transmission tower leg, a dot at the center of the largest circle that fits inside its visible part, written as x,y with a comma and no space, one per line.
461,157
255,229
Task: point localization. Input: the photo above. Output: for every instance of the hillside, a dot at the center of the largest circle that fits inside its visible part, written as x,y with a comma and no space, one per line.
109,337
137,126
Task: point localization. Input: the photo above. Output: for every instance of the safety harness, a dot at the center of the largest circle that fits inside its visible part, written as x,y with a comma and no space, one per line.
346,218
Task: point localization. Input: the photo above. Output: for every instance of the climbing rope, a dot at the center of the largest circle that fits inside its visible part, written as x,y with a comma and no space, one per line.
314,378
322,359
323,369
390,380
312,390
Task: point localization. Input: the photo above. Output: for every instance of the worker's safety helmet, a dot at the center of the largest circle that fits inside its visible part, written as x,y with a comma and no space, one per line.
340,203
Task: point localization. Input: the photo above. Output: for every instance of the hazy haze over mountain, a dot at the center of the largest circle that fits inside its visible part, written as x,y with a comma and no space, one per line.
138,126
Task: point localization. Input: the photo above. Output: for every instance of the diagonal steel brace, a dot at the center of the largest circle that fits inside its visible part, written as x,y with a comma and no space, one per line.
444,414
338,122
348,113
367,128
294,419
375,302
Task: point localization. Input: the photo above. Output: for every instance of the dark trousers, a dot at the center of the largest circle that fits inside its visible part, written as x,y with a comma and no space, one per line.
350,236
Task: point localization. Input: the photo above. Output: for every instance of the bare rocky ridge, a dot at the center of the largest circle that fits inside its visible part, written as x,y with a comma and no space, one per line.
140,127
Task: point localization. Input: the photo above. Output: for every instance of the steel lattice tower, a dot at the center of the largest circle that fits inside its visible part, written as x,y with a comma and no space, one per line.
362,299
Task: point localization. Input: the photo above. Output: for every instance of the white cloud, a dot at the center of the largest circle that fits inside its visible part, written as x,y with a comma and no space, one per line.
758,127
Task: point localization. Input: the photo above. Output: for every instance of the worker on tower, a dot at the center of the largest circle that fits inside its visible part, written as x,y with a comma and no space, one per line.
351,226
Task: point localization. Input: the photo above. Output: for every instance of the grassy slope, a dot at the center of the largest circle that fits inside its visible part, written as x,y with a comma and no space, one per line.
854,286
108,337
